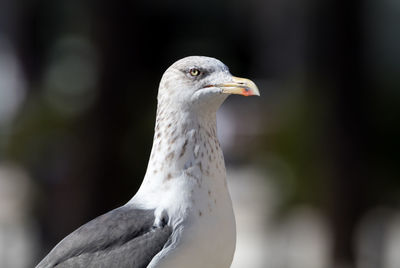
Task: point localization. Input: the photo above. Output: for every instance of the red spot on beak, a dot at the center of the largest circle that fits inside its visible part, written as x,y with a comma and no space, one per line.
246,92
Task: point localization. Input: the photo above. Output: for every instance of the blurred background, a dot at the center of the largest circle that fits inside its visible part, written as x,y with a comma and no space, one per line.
313,163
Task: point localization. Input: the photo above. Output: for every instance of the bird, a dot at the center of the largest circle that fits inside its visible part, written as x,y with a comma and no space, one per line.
182,214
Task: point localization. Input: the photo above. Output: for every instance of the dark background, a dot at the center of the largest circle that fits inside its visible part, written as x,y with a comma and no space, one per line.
78,85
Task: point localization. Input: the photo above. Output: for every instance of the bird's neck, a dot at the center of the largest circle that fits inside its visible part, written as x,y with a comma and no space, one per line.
184,143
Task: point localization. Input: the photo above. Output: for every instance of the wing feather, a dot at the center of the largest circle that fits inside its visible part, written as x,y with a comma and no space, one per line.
123,237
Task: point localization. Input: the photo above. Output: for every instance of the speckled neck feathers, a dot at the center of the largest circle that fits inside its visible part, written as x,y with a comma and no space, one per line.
183,141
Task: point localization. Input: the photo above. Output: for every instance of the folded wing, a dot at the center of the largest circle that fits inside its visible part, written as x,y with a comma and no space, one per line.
123,237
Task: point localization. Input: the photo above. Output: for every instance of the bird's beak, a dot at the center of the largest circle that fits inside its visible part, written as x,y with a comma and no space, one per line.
241,86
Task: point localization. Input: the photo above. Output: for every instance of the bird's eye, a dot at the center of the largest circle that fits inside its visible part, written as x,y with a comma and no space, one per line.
194,72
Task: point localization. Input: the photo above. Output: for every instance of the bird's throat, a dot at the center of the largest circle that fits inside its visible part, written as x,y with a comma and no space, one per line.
185,143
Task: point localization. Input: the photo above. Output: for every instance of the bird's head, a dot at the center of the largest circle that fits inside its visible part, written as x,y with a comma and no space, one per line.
201,82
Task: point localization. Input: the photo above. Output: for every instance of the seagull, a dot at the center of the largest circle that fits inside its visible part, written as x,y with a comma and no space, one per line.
182,214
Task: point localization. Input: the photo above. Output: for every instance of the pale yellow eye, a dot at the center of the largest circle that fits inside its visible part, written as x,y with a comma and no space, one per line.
194,72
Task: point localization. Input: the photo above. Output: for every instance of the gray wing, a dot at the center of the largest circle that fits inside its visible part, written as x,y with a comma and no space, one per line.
123,237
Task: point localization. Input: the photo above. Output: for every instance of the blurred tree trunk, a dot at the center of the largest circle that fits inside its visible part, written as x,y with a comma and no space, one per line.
338,58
